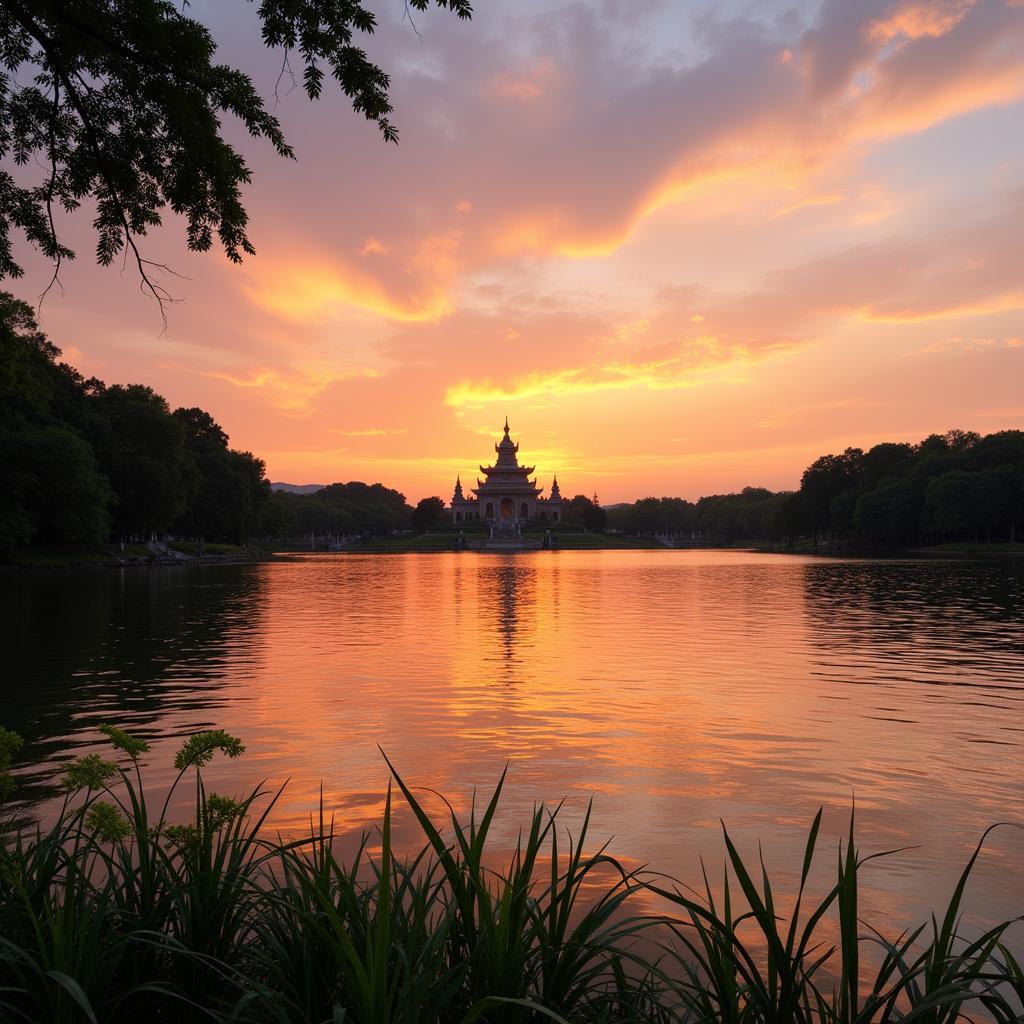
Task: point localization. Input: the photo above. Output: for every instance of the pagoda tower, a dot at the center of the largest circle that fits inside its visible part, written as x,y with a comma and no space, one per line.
506,499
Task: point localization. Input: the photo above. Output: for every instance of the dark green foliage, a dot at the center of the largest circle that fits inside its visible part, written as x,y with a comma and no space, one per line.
583,511
53,489
754,513
231,490
82,463
343,510
10,744
824,480
428,513
121,103
141,449
956,486
890,513
57,491
200,748
113,915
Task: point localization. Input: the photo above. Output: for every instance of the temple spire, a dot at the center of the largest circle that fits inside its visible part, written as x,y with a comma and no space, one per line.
506,426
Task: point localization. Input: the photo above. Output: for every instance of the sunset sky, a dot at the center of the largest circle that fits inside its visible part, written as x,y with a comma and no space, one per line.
684,246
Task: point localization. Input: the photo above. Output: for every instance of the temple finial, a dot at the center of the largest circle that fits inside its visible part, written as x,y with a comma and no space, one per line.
506,424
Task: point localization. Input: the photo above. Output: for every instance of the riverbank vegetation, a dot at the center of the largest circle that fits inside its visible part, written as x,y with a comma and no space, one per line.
957,487
567,539
117,913
84,463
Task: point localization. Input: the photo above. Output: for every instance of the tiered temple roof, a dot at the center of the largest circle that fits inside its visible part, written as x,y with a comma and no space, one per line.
506,498
506,474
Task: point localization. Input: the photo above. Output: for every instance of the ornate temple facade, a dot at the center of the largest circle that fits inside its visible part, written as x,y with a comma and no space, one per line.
506,499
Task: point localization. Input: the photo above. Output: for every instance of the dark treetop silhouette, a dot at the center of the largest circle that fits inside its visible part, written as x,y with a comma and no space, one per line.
124,105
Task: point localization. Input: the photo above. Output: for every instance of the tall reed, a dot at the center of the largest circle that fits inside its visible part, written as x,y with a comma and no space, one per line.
114,913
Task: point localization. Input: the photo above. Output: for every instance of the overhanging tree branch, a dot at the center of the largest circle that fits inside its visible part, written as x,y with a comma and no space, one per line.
126,108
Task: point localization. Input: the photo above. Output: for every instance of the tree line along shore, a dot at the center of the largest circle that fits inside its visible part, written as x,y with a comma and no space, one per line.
95,473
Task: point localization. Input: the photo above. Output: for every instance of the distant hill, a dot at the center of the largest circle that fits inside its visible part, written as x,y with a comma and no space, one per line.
297,488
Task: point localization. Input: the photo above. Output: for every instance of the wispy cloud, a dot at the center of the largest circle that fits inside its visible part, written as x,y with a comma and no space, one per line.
370,432
693,362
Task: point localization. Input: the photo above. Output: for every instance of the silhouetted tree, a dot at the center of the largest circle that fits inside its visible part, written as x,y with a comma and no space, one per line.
80,460
890,513
825,479
951,486
141,449
231,490
583,511
645,517
123,110
884,460
340,509
948,502
995,499
428,513
52,488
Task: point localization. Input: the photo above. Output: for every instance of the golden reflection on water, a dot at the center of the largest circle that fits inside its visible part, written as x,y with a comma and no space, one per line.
675,688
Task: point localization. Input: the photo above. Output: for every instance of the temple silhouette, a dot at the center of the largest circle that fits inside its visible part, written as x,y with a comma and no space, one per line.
506,499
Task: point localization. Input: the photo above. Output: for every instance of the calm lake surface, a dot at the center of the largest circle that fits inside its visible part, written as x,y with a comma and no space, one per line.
674,687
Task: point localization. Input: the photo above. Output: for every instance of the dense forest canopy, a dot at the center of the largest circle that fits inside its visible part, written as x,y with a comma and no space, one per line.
84,462
957,486
341,510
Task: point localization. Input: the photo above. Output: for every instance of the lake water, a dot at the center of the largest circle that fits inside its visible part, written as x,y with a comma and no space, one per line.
674,688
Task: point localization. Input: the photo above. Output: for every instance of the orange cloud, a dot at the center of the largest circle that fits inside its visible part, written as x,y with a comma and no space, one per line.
254,380
574,179
370,432
919,19
814,409
1006,302
292,390
957,345
527,84
307,290
810,201
692,363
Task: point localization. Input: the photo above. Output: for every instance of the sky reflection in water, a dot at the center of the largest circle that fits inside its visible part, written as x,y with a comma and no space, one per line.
675,688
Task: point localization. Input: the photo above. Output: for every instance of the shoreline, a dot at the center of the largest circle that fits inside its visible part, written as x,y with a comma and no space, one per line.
70,557
54,557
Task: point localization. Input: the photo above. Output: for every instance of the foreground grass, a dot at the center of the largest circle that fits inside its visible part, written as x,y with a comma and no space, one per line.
70,556
58,556
974,548
116,914
191,547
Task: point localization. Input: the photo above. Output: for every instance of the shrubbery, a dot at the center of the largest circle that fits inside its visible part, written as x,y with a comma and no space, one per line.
115,913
